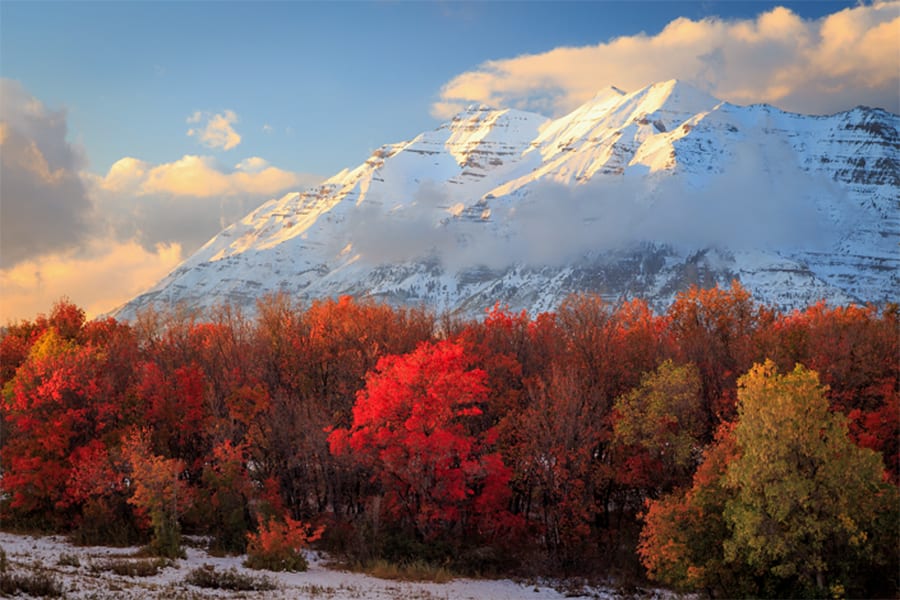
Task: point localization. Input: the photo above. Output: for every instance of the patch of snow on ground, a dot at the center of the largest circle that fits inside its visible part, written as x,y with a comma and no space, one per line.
26,553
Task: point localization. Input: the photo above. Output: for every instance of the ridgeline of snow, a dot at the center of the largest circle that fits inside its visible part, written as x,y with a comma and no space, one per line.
631,194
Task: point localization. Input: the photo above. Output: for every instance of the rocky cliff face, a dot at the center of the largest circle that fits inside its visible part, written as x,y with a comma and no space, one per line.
639,194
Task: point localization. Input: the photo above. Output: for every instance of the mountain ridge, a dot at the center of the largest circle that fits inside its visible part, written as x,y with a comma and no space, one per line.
630,194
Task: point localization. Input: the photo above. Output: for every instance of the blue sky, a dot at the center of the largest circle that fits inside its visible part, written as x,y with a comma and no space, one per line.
333,80
132,132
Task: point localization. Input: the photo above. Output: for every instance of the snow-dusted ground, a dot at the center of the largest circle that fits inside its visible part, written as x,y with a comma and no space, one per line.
25,553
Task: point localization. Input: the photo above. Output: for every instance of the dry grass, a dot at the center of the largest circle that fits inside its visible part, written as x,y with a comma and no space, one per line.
68,560
36,581
131,568
414,571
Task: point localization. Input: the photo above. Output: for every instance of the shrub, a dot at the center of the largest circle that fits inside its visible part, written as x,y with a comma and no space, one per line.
159,493
132,568
278,545
106,522
226,490
207,577
68,560
37,583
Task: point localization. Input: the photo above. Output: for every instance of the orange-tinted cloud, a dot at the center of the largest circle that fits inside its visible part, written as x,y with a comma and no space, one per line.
98,277
201,177
814,66
103,239
186,201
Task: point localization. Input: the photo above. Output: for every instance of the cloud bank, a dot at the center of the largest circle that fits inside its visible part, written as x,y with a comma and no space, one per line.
186,201
101,239
552,224
98,277
819,66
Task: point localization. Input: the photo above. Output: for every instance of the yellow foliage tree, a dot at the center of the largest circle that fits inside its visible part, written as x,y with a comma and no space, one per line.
807,498
784,504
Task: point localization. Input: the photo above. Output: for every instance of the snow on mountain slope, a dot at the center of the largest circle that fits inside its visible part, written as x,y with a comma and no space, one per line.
631,194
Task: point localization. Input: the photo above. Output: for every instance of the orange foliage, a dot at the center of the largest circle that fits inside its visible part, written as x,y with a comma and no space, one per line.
278,544
157,487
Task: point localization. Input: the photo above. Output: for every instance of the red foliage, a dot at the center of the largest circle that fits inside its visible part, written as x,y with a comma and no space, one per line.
558,474
94,473
62,403
879,430
527,437
174,409
501,346
717,330
411,425
14,346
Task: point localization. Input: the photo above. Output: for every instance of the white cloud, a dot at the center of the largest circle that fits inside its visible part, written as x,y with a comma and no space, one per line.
813,66
267,128
218,131
53,240
186,201
555,224
98,277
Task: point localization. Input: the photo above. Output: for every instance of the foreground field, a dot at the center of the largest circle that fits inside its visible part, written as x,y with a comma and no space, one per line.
90,572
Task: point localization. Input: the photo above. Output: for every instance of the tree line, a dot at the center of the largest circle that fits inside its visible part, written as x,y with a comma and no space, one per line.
722,446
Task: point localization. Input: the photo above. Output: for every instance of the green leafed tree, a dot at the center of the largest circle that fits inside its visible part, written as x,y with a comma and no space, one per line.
804,510
658,427
807,499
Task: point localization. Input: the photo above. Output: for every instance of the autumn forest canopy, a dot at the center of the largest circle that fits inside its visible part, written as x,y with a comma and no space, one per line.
722,446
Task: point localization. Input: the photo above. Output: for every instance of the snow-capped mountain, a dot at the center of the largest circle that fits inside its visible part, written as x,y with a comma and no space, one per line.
631,194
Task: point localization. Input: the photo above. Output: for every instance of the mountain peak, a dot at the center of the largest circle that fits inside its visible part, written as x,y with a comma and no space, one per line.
631,194
674,95
607,93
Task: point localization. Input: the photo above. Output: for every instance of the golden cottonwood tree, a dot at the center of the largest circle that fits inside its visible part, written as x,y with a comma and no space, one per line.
803,510
807,498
